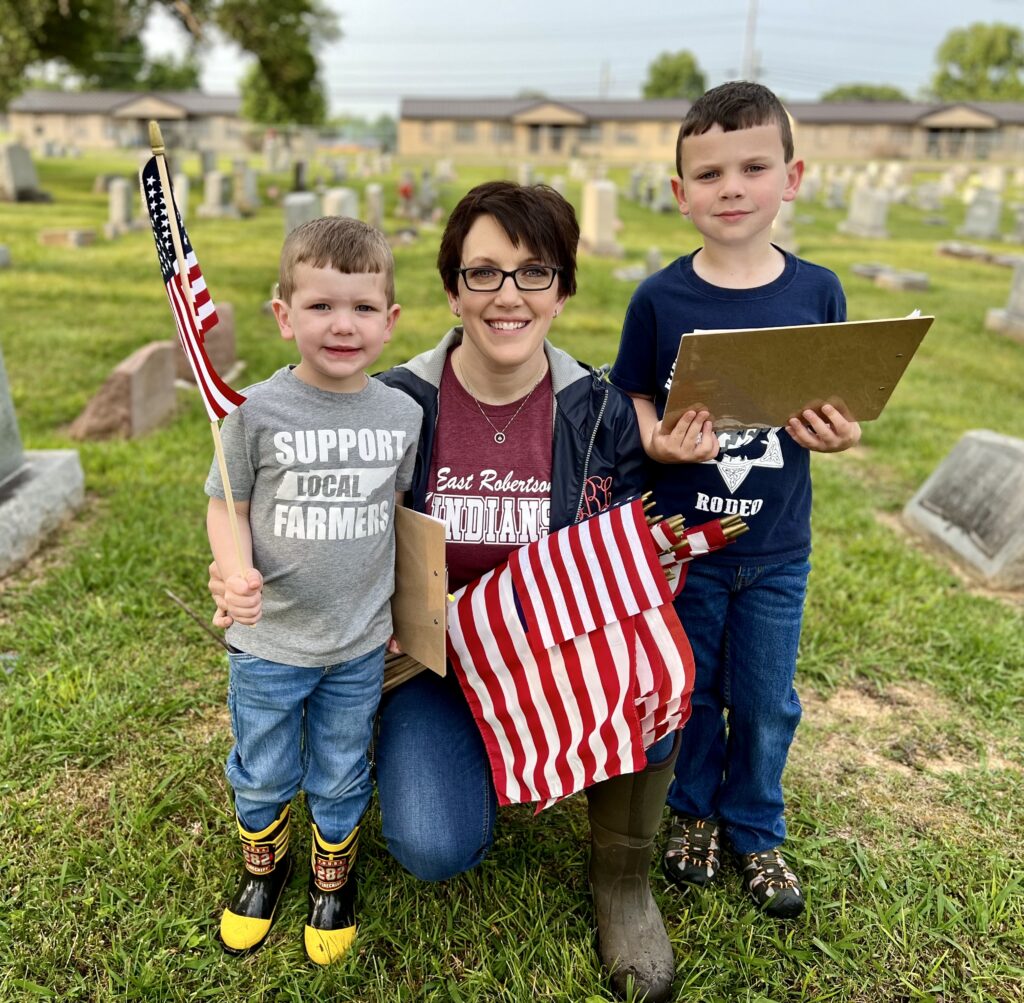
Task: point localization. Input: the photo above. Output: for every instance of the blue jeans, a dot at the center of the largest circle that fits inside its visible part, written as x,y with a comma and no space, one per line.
437,799
744,626
305,728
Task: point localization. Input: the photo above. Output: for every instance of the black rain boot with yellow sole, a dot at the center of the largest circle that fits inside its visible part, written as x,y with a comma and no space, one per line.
331,926
245,923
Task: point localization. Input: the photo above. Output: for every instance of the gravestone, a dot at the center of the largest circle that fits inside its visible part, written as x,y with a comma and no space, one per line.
835,194
219,343
983,215
1010,320
784,228
341,202
374,195
67,238
136,397
407,195
663,198
119,212
5,256
524,174
246,188
299,208
652,261
299,173
216,202
426,196
810,189
39,489
18,179
973,505
894,278
597,226
207,161
180,184
1016,236
927,197
869,208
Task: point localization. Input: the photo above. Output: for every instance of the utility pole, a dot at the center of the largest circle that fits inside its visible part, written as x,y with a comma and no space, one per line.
751,69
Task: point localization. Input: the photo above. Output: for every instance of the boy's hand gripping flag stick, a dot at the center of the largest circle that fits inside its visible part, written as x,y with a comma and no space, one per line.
191,305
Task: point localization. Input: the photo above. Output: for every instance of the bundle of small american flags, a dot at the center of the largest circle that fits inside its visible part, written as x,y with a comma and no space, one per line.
571,656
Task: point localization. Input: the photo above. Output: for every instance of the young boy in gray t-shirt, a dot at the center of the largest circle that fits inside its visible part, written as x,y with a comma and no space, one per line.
317,457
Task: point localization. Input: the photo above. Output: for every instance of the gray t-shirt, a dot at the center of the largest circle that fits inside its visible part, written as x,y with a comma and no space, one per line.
320,471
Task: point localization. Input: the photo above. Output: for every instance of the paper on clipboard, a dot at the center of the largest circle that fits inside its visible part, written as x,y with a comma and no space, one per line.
762,377
419,604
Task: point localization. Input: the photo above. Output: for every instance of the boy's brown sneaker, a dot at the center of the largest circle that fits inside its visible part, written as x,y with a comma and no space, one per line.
691,855
771,883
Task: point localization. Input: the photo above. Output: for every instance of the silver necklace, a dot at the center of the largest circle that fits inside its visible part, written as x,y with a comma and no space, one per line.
499,433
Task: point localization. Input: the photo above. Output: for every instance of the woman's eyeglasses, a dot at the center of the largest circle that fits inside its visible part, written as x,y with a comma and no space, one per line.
528,279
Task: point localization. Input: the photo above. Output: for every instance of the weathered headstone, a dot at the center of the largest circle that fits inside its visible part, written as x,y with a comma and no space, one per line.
299,176
1016,235
216,197
597,227
18,179
869,208
5,256
137,396
524,174
1010,321
207,161
39,489
246,188
663,199
983,215
894,278
181,184
374,195
928,197
835,194
341,202
973,505
67,238
652,261
299,208
119,218
784,228
426,196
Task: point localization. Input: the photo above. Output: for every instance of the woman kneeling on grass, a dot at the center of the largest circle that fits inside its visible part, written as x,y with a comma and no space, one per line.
509,418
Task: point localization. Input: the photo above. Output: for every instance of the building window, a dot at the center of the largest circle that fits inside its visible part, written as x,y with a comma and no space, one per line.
465,132
625,135
501,132
591,133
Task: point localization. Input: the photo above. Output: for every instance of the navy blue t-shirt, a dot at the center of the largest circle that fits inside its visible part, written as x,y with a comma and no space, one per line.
760,474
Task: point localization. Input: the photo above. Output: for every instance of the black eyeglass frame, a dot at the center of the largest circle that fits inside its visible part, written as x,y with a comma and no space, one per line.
555,272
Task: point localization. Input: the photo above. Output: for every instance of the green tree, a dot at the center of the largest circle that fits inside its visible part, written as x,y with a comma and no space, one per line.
99,40
864,92
675,75
983,62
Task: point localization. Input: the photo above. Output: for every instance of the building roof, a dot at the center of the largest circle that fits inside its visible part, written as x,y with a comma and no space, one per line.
107,102
598,109
604,109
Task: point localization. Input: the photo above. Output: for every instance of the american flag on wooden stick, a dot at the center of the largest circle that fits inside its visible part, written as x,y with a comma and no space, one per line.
193,319
571,656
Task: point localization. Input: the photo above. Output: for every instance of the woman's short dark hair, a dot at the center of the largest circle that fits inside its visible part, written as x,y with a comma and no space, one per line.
533,216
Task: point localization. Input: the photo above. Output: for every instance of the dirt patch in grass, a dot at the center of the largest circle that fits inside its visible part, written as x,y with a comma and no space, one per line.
208,724
893,753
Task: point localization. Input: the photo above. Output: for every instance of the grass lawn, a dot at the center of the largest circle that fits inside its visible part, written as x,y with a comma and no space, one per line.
905,783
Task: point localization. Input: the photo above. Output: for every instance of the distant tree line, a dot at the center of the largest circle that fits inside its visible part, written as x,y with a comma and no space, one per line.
983,62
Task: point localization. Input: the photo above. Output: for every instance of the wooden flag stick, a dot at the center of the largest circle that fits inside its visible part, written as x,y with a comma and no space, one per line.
156,142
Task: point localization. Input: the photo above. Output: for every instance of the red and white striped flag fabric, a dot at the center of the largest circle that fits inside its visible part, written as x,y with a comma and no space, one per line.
219,398
572,658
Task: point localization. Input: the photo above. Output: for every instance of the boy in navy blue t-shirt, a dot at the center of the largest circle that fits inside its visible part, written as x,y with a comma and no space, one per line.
742,607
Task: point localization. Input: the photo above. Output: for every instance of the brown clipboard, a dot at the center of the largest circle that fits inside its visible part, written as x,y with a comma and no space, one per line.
420,601
762,377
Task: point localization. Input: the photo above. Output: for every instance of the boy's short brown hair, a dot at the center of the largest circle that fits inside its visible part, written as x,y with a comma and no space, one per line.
534,216
346,245
738,104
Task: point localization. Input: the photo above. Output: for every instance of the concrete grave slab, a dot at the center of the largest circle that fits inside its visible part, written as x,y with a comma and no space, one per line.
973,507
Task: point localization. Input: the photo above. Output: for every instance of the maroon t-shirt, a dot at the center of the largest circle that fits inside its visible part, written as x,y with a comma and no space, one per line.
493,498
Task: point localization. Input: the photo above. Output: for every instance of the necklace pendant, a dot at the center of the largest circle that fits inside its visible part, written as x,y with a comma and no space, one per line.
499,437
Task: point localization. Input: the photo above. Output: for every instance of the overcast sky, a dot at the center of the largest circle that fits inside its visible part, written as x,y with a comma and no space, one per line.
591,48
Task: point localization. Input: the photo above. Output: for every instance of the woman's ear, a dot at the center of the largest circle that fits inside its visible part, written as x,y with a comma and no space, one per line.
453,302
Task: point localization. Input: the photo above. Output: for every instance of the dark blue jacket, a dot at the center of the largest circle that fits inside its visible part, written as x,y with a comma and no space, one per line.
597,458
